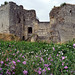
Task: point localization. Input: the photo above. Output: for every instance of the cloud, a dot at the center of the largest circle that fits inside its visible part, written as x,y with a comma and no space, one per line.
42,7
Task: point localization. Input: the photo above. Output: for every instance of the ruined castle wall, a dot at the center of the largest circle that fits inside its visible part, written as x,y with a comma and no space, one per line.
43,31
62,23
30,21
17,19
21,20
4,19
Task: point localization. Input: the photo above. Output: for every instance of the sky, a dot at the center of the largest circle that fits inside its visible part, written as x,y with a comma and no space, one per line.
42,7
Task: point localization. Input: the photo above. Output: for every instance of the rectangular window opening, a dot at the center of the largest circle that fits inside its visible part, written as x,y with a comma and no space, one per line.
29,29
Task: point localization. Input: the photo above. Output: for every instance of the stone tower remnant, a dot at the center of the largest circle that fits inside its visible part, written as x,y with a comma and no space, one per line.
62,23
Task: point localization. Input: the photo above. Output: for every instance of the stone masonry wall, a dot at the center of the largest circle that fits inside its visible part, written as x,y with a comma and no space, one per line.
43,31
17,19
30,21
4,19
20,20
62,25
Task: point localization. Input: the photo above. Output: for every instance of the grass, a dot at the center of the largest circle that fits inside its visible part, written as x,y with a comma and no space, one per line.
26,58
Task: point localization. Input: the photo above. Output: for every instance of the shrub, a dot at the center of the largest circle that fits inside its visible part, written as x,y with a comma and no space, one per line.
63,4
5,3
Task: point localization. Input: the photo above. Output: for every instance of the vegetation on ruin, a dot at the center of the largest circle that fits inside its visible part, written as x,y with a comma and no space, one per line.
9,37
5,3
63,4
26,58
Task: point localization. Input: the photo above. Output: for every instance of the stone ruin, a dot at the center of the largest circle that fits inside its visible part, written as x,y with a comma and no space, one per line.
23,23
62,23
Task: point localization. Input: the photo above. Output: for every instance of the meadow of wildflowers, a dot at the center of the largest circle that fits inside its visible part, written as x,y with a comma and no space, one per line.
26,58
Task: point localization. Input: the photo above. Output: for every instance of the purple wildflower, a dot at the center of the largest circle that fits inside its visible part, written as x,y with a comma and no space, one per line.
51,59
74,45
0,69
18,60
9,45
14,62
48,58
24,62
25,72
13,73
39,72
36,56
2,62
62,63
46,65
15,49
7,72
7,59
57,54
35,70
42,59
39,68
44,70
67,70
17,52
65,67
48,68
53,49
22,56
13,53
51,74
13,67
49,64
63,57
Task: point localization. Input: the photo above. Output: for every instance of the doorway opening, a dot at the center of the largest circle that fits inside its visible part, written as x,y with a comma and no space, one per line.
30,30
23,38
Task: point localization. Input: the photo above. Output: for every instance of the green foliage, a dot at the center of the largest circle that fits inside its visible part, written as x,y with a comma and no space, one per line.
5,3
40,57
1,4
63,4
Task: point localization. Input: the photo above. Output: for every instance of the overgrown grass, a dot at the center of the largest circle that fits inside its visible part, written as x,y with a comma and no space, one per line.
26,58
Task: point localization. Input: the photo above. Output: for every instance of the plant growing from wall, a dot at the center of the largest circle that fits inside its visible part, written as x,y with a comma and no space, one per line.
5,3
63,4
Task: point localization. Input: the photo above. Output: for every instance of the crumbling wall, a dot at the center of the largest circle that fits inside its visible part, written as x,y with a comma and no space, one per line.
4,19
43,31
23,23
62,23
30,22
17,19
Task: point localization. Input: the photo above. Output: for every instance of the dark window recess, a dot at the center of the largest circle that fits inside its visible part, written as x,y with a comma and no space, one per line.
19,20
23,38
29,29
70,11
23,19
